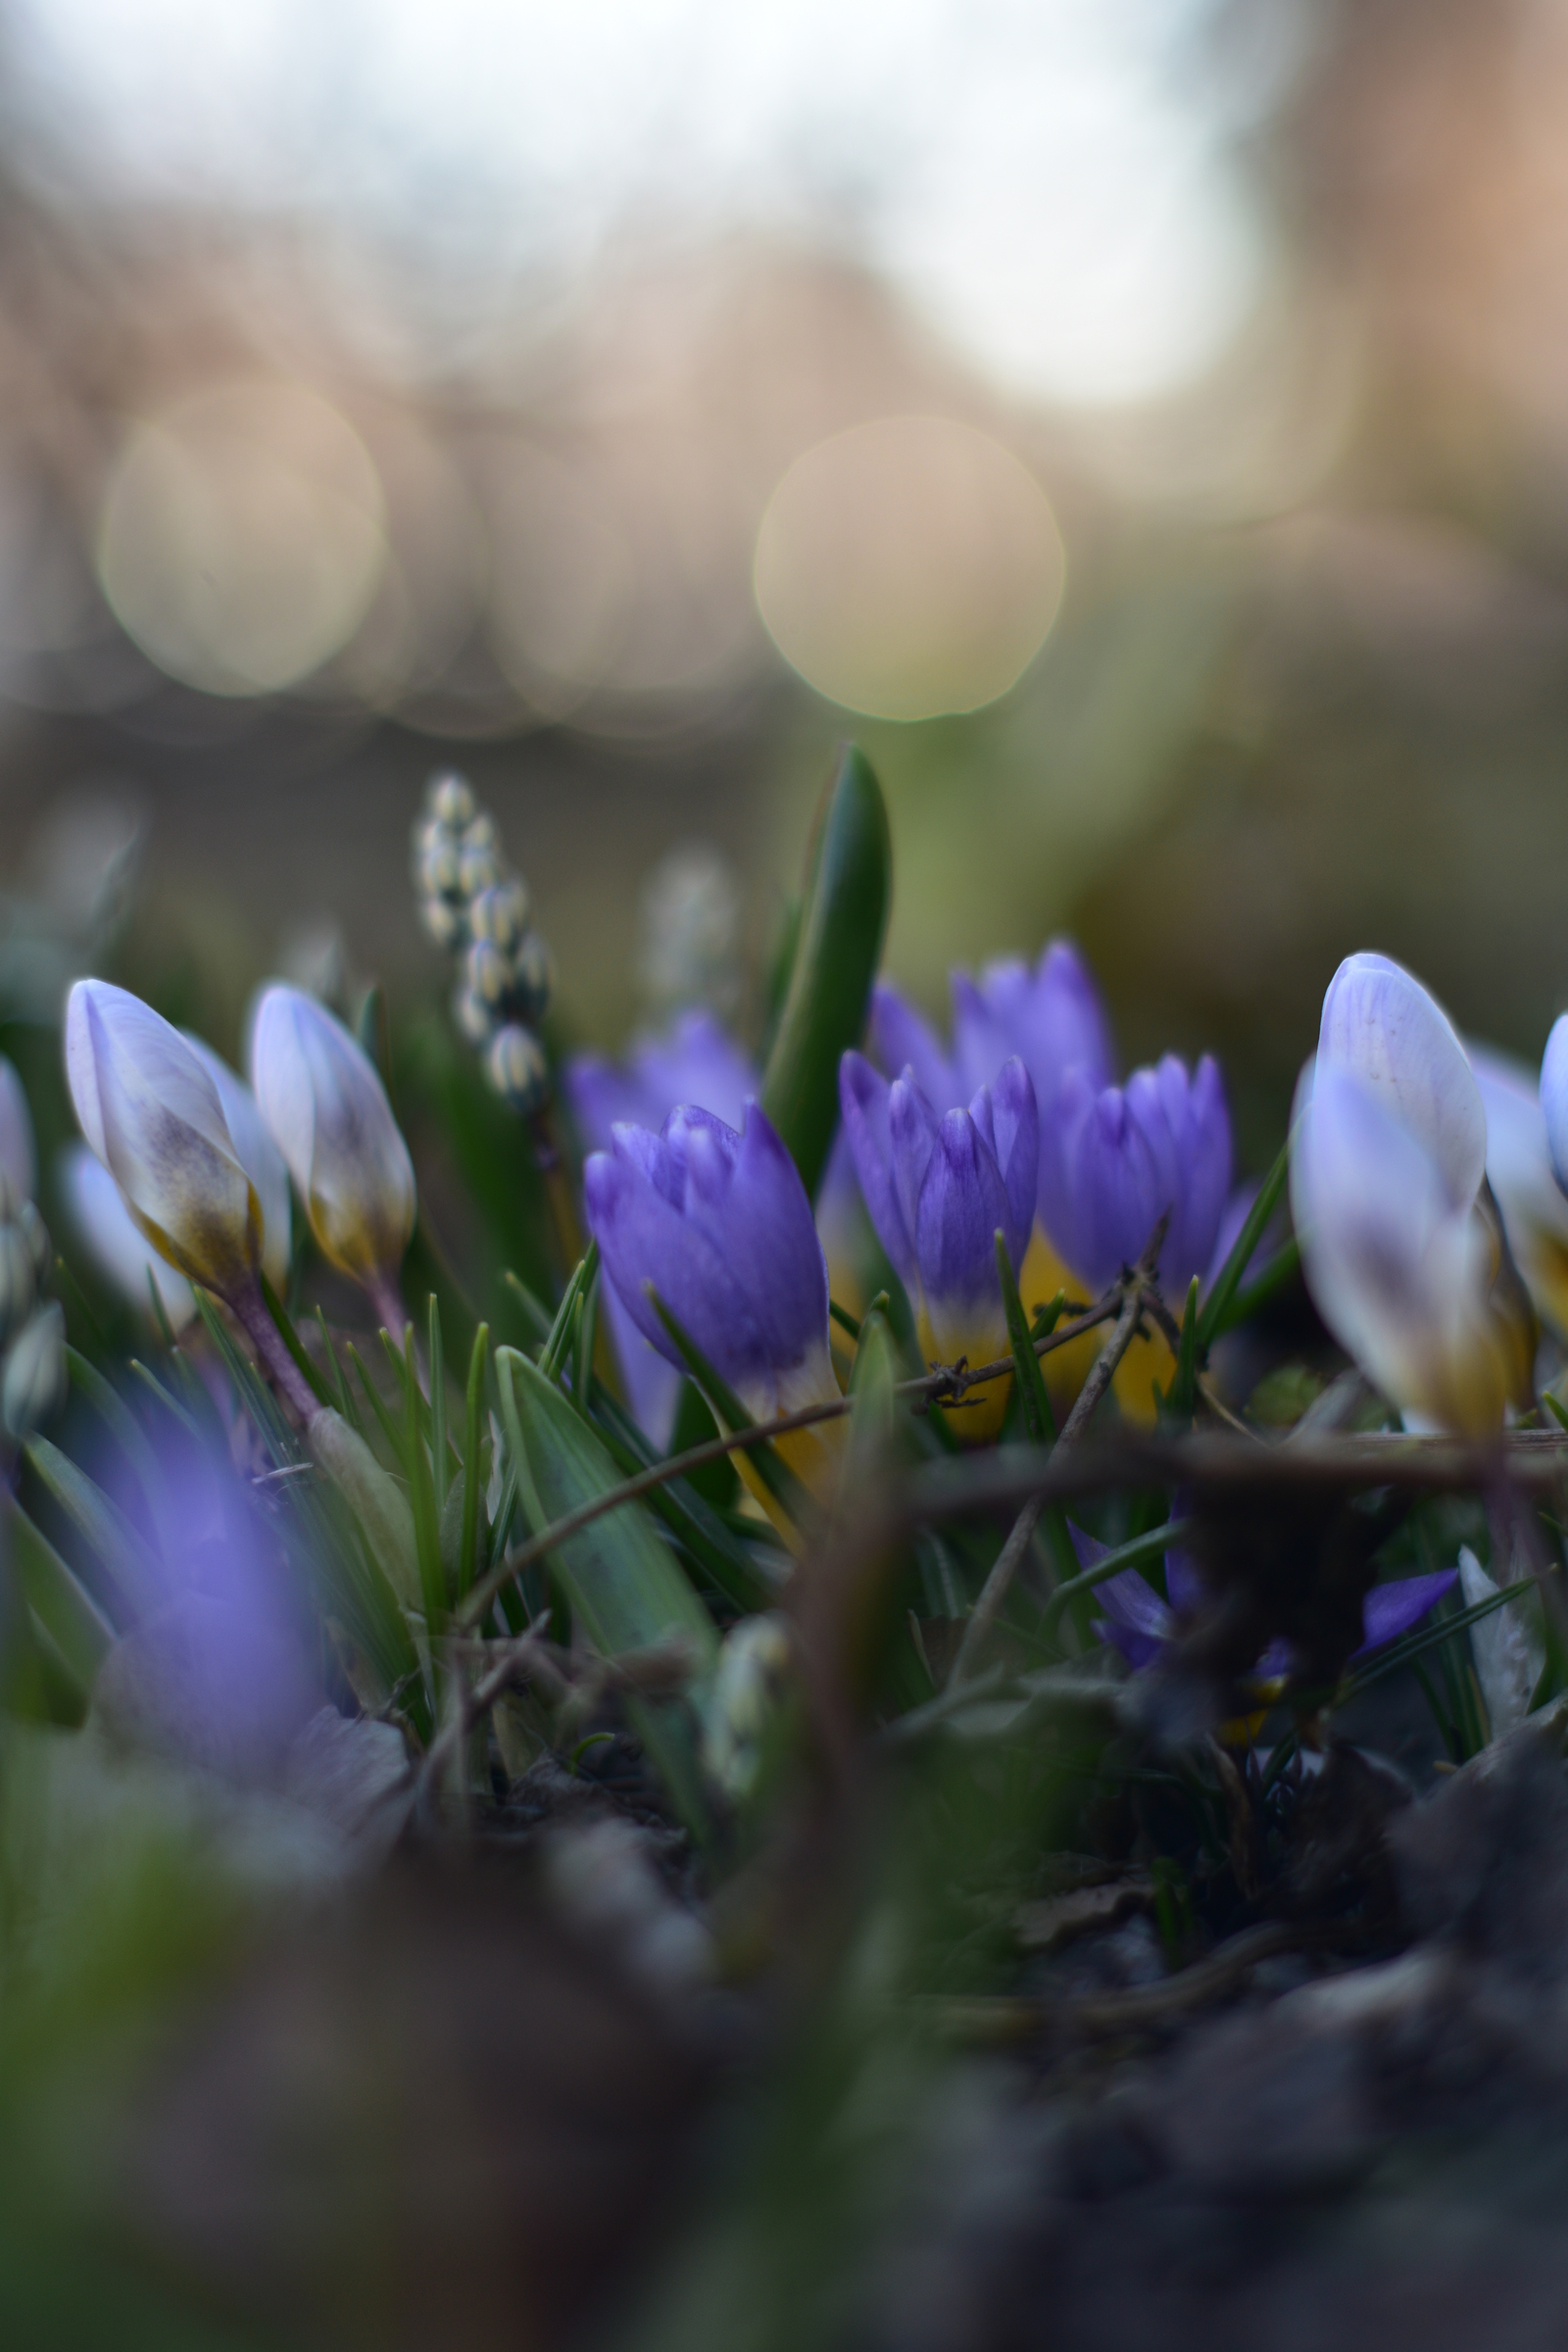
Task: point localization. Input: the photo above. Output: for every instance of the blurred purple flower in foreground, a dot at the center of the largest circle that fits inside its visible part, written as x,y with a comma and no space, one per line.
1142,1626
213,1673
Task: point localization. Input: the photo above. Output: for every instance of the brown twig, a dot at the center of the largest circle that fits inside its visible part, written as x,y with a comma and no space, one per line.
994,1591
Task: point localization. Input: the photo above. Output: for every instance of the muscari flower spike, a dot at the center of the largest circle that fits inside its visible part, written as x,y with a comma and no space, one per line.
1402,1249
937,1187
33,1379
474,906
717,1226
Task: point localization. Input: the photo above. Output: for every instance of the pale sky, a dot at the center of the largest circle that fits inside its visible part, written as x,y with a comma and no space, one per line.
1049,181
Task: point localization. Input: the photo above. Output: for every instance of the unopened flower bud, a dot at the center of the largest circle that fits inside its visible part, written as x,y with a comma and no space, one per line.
518,1068
477,867
489,973
450,800
326,1109
500,914
151,1111
534,977
444,921
472,1016
437,861
19,1281
35,1379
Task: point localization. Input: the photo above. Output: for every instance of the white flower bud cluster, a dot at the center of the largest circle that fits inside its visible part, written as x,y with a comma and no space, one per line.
472,905
32,1327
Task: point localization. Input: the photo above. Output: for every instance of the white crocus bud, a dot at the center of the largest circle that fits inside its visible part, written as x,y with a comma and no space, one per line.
18,1153
327,1113
1401,1247
1555,1097
106,1230
259,1157
151,1114
1520,1173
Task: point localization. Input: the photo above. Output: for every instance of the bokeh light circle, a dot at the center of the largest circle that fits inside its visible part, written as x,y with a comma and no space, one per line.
242,537
910,568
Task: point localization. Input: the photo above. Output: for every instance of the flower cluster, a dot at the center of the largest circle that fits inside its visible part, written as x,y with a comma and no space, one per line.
200,1164
1112,1158
478,911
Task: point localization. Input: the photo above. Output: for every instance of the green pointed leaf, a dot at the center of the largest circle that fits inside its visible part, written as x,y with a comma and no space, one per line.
127,1433
374,1497
291,1340
625,1587
624,1583
102,1525
472,1474
68,1613
1216,1306
844,917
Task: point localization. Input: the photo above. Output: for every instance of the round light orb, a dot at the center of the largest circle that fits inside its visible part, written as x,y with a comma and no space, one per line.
910,568
242,537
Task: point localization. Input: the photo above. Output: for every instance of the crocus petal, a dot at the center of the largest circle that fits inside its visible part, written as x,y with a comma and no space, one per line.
1381,1025
746,1192
719,1225
1005,1112
152,1115
1397,1273
1050,1018
113,1240
898,1037
1100,1182
1555,1097
651,1385
1390,1610
962,1205
913,1125
644,1238
259,1157
326,1109
863,1106
1519,1170
19,1149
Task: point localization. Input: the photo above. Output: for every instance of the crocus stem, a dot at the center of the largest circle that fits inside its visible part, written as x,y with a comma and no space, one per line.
558,1191
250,1311
994,1591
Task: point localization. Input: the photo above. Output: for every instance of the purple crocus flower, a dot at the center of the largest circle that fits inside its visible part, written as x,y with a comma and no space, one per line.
718,1224
1050,1016
937,1187
696,1062
1113,1160
1142,1626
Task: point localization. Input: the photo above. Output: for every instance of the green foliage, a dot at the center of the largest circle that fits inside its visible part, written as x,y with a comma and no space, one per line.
849,890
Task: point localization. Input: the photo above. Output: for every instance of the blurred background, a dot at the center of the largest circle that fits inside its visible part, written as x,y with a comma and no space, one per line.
1146,427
